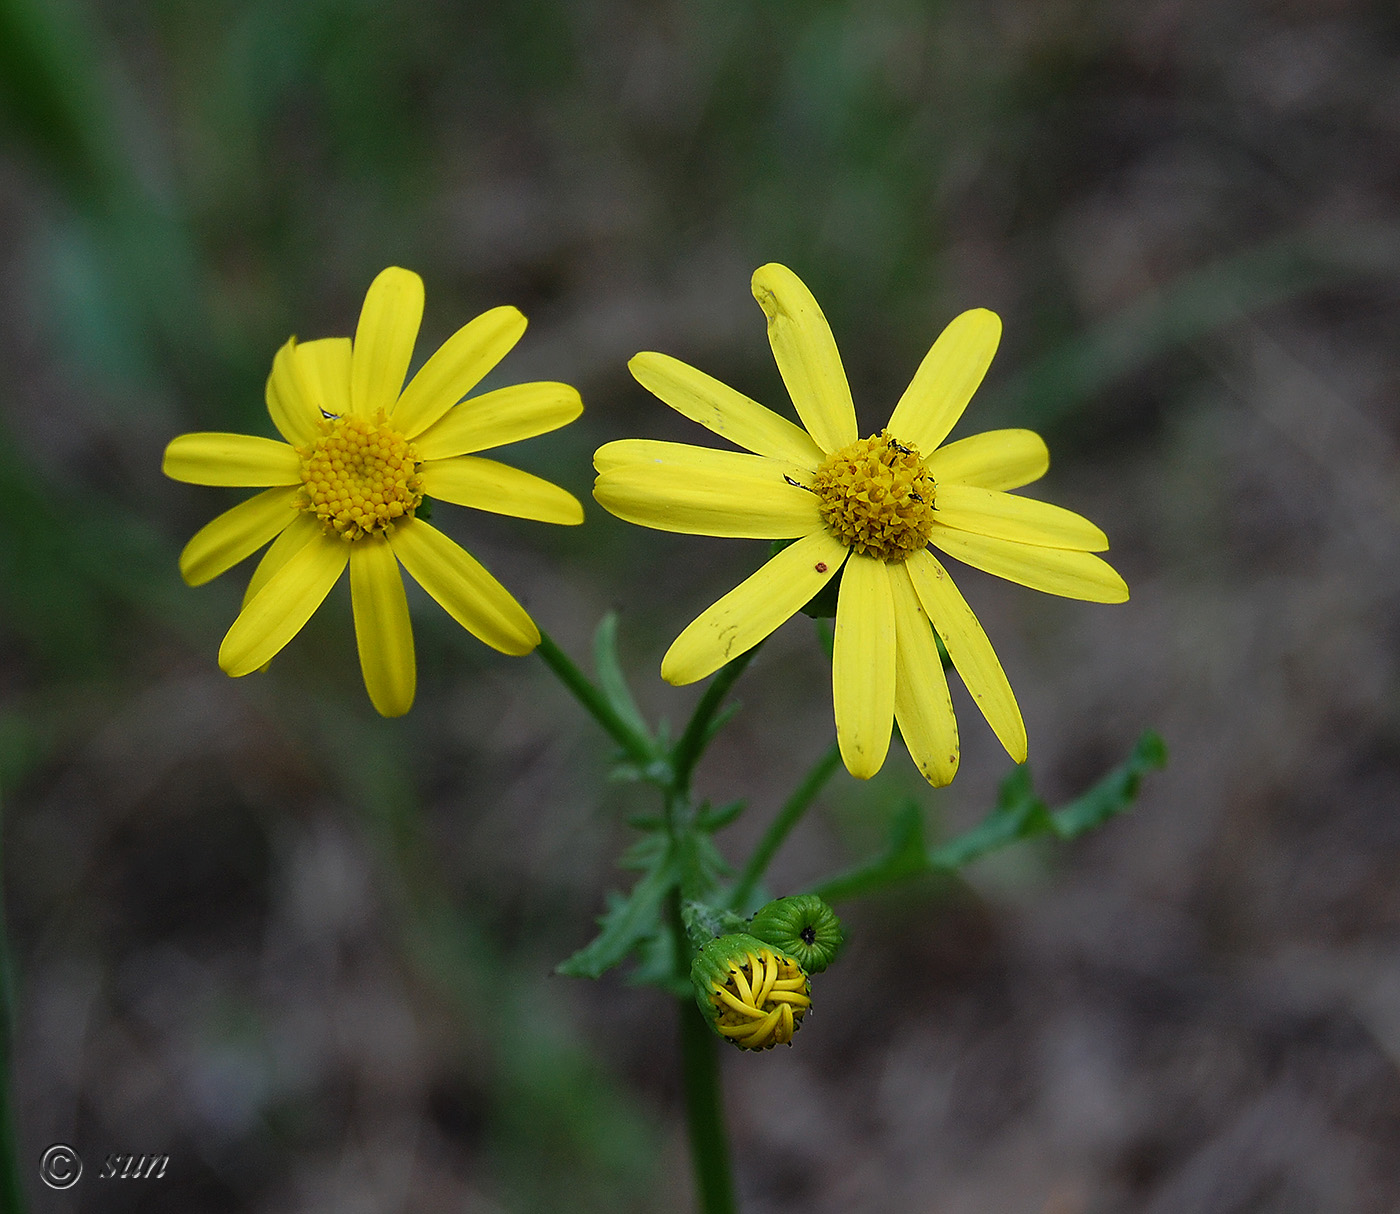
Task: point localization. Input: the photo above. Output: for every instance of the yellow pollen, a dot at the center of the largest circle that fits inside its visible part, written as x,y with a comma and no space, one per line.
876,497
763,1002
360,476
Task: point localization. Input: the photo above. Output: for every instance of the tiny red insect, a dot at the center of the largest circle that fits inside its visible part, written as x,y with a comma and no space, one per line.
821,566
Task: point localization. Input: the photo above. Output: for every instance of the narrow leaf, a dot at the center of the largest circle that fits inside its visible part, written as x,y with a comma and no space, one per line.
1115,792
1019,814
712,820
611,681
905,855
656,965
626,923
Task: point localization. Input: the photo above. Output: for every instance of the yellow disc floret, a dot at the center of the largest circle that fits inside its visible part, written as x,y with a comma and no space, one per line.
762,1001
876,497
360,476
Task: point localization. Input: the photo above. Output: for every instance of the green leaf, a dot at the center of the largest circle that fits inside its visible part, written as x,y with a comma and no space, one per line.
1019,814
656,964
625,771
905,855
645,853
627,921
711,820
701,865
611,681
1115,792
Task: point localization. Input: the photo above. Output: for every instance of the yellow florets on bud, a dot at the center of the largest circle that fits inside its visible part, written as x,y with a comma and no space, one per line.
360,477
750,994
876,497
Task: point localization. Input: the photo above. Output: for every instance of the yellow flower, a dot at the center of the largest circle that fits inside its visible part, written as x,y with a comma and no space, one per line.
362,450
872,505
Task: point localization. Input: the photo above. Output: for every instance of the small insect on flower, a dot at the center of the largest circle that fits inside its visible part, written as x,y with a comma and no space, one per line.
820,566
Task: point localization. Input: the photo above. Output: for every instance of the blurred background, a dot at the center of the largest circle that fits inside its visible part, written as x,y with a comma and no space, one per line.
307,952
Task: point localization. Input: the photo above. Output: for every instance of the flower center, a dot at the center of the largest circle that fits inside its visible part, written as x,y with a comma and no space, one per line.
763,1002
360,476
876,497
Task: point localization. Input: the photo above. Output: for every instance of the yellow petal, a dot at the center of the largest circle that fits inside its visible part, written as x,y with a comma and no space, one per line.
383,632
754,608
807,356
922,705
1073,575
863,666
1023,519
496,418
303,530
384,340
686,458
946,380
237,533
241,460
456,368
469,594
994,459
292,412
970,650
700,491
324,366
718,407
277,612
485,484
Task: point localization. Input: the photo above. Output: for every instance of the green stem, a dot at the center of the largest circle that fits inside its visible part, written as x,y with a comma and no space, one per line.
692,743
11,1190
781,826
704,1112
704,1103
637,747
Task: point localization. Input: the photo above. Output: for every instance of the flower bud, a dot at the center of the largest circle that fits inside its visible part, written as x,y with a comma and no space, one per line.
750,994
805,926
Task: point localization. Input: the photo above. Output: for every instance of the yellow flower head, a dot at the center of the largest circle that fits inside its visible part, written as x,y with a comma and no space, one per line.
361,451
871,505
750,994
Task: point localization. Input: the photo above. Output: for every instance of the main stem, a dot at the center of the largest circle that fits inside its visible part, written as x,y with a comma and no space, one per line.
704,1103
704,1112
704,1099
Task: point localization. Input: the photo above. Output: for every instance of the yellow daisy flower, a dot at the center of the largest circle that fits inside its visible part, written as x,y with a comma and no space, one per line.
872,505
362,451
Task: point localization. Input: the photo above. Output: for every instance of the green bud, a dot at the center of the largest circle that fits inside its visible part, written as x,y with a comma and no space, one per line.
750,994
804,926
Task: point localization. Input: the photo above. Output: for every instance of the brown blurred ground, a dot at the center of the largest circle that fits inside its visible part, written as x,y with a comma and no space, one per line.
305,952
